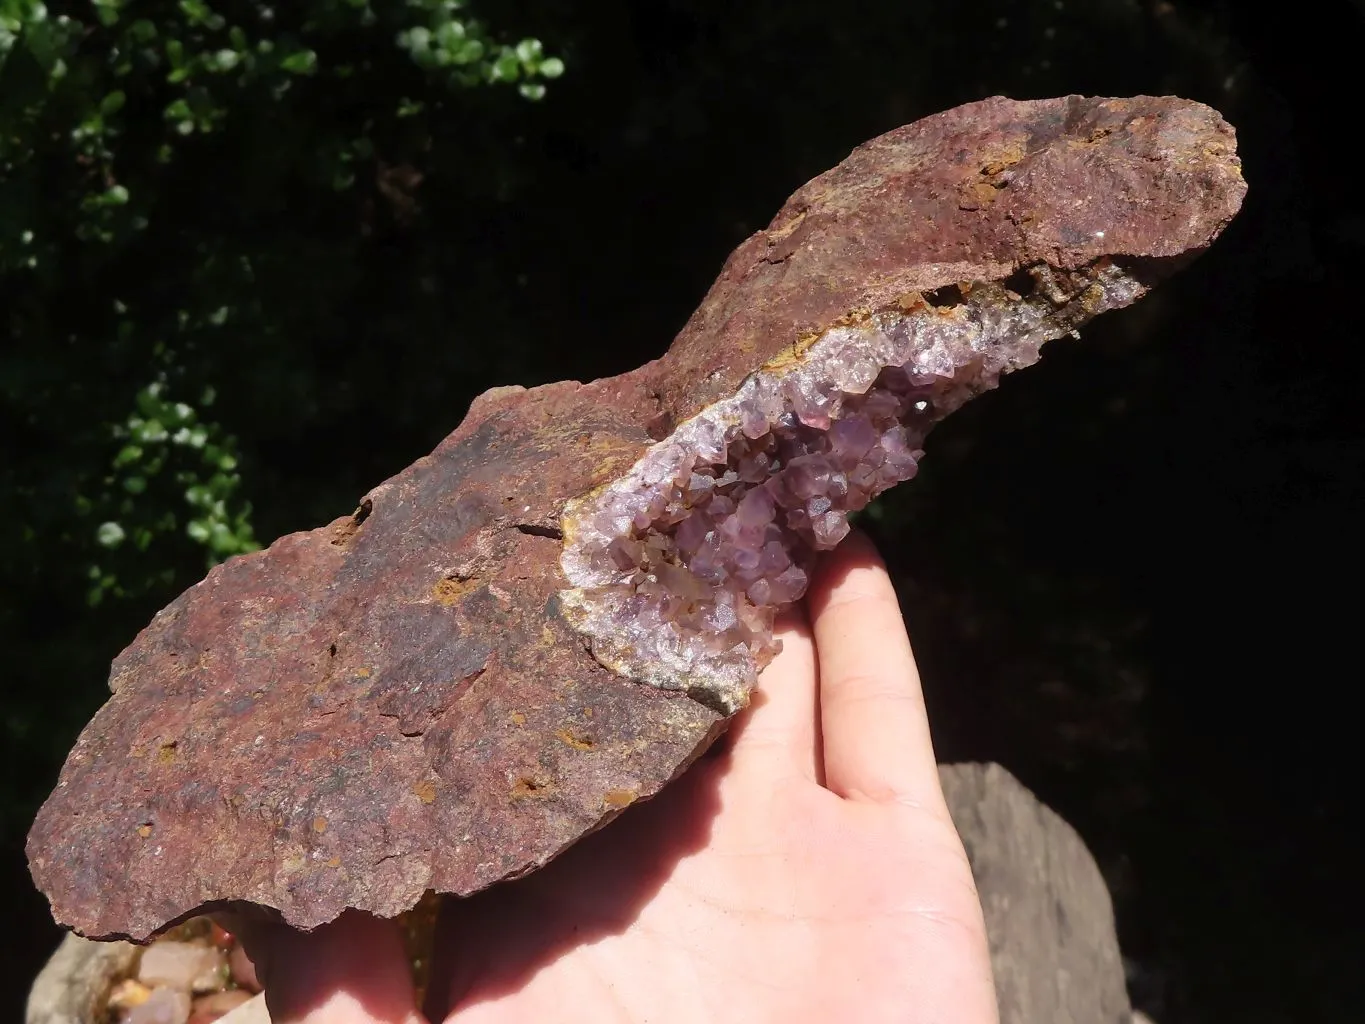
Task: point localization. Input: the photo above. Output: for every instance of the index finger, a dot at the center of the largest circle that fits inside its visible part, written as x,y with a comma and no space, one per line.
876,730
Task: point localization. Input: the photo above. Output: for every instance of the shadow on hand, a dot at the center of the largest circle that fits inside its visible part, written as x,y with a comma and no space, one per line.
492,943
356,959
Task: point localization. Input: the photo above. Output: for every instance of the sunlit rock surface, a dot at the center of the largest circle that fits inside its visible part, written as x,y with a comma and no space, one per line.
551,615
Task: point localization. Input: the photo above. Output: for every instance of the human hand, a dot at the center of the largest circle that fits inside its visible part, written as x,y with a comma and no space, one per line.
810,871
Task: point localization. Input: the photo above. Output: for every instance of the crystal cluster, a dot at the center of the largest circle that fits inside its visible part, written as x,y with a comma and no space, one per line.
725,541
680,566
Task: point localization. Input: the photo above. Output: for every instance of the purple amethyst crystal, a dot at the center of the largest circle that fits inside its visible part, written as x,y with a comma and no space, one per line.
680,566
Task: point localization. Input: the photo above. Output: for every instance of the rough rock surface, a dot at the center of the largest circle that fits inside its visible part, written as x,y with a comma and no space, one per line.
396,702
1054,949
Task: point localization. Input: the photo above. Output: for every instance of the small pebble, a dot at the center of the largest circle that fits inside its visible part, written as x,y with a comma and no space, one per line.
214,976
163,1006
127,994
184,966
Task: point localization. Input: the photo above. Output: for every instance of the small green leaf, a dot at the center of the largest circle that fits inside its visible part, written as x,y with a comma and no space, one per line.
507,67
127,456
450,35
110,535
150,432
106,11
551,67
471,51
304,62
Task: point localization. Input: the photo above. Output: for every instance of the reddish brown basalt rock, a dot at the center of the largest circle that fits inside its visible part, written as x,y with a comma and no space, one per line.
398,702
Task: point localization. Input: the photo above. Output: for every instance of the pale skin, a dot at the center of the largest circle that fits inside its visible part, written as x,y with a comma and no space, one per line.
807,872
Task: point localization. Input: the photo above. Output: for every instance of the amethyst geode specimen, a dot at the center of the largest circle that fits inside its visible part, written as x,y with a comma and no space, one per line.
681,565
552,614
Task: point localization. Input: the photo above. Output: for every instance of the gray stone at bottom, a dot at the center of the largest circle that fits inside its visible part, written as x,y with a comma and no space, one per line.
73,984
1054,948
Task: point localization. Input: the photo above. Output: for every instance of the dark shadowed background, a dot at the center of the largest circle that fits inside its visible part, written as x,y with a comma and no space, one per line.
253,261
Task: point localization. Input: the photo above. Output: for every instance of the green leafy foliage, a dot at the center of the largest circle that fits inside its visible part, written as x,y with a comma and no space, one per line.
103,108
66,84
173,471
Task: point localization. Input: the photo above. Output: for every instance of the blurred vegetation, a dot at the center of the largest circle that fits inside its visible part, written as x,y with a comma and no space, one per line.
254,259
